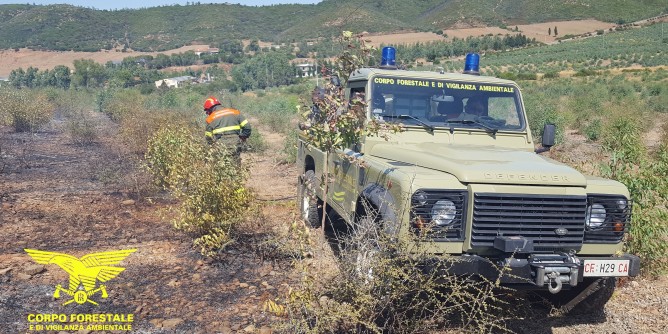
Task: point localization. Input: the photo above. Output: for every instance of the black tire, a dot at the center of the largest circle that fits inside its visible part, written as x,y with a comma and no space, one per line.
309,204
591,304
365,247
595,303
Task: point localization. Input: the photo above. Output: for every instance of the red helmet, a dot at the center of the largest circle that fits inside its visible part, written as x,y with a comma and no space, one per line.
210,103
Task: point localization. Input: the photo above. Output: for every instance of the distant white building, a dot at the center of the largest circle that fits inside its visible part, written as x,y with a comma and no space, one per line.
209,51
175,82
305,70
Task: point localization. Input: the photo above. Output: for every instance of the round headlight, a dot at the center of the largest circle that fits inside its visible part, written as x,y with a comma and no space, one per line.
596,215
443,212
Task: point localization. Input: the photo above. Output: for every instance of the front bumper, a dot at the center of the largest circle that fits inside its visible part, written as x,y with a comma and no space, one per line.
536,271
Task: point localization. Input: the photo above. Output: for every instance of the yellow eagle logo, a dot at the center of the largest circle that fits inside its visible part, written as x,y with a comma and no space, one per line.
84,272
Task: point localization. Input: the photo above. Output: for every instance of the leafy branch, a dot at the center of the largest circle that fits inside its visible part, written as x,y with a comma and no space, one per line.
334,123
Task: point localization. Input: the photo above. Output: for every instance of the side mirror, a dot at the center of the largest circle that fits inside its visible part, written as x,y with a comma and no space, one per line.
336,81
548,138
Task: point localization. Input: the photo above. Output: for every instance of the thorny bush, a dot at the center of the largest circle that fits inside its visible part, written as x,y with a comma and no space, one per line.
388,284
207,182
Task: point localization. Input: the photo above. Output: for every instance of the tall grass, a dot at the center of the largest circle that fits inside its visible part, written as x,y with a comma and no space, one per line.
645,176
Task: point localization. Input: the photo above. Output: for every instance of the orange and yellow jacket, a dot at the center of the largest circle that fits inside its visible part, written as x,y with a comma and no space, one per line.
223,122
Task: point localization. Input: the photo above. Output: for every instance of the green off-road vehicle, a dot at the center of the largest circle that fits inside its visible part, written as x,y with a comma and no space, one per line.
466,170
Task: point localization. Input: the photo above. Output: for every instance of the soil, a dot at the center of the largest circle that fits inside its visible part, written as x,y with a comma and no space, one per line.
47,60
60,197
576,27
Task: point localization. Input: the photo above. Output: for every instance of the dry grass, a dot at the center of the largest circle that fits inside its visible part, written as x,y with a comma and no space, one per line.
24,58
539,30
536,30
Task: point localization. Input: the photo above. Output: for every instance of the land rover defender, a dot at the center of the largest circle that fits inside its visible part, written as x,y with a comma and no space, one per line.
466,170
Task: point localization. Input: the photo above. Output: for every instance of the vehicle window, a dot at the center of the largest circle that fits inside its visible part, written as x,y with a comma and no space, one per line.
444,103
413,106
504,108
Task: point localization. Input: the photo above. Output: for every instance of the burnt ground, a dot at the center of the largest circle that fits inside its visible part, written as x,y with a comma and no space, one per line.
61,197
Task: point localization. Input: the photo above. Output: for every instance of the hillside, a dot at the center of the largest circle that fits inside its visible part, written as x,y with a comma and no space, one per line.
64,27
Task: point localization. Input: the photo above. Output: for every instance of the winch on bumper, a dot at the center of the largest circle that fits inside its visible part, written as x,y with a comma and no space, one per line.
552,271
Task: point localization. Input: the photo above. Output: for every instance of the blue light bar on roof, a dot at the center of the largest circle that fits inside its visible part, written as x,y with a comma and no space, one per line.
388,58
472,64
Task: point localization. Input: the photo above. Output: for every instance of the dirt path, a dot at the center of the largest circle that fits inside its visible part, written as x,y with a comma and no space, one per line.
56,196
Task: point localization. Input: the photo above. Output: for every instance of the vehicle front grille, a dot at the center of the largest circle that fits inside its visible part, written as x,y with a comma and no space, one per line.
552,222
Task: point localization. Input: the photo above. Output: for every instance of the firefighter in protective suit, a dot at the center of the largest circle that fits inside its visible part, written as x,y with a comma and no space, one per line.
226,126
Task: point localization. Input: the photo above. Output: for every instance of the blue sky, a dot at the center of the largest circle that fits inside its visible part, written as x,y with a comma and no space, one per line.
120,4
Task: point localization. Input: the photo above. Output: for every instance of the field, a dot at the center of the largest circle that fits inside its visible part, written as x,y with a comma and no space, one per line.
536,30
10,59
24,58
539,30
636,46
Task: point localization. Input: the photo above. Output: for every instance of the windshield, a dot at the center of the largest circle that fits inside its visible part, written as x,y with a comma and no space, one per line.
446,103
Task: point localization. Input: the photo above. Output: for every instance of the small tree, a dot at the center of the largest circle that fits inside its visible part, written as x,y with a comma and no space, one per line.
339,124
555,31
549,31
17,77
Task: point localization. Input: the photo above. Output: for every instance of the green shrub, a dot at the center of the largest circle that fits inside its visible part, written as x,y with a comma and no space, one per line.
215,200
507,76
620,90
645,178
539,113
551,75
658,103
593,130
290,147
137,128
256,142
120,103
526,76
623,137
585,73
25,110
206,181
81,130
169,155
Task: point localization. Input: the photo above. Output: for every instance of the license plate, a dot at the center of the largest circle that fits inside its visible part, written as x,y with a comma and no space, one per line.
605,268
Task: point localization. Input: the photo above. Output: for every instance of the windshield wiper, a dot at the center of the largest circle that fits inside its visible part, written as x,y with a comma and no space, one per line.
469,121
429,127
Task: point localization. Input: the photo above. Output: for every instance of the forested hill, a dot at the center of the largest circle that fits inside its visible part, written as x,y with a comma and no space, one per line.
64,27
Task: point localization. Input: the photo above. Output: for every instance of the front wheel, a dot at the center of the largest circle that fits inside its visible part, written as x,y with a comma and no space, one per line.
364,244
309,204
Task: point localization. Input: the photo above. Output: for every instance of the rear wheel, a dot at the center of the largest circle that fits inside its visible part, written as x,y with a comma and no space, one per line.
309,204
